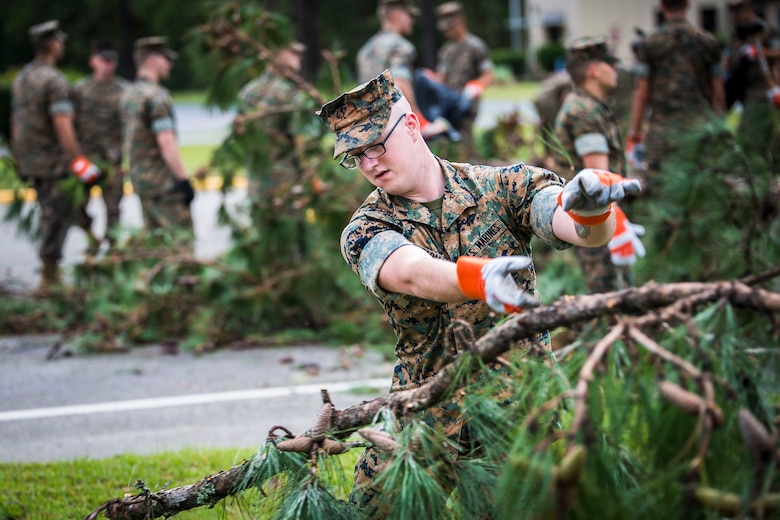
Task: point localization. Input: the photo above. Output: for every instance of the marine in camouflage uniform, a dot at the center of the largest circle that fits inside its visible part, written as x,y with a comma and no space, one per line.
147,109
272,156
745,81
39,93
459,61
99,125
679,75
586,125
484,212
280,131
387,49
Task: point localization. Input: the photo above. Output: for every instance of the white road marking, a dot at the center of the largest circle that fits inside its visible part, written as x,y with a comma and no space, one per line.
188,400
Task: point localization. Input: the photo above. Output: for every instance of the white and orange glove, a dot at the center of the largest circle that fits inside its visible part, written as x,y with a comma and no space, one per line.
625,246
588,197
749,51
473,89
433,128
491,280
84,169
774,95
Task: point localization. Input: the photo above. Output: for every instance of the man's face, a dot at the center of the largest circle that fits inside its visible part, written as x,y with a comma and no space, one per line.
606,74
395,170
290,59
58,47
163,65
102,66
405,21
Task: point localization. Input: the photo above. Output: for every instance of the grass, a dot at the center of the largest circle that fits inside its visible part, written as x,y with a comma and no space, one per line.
72,489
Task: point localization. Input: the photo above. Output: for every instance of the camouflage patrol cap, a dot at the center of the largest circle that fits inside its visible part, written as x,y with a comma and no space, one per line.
106,49
449,9
45,30
157,44
297,47
591,48
359,116
406,4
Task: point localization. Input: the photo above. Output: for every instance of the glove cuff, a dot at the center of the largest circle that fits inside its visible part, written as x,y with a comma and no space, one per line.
586,220
470,281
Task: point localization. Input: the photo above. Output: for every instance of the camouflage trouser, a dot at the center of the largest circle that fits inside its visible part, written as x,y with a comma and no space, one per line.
113,190
598,271
165,211
57,215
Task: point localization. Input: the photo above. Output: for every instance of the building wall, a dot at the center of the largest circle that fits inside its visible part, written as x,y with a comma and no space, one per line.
616,19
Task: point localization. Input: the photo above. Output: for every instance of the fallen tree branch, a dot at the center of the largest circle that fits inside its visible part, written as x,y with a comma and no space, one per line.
564,312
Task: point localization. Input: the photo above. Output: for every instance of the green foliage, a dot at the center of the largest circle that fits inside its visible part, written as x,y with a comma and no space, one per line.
712,212
511,58
73,488
550,55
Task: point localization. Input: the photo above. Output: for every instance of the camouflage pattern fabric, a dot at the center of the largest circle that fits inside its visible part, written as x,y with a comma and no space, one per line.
271,160
680,62
359,116
458,63
147,108
486,212
462,61
38,93
386,50
99,128
583,126
57,215
586,125
548,102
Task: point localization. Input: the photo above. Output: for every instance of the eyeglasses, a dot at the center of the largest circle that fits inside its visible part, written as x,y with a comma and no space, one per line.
350,162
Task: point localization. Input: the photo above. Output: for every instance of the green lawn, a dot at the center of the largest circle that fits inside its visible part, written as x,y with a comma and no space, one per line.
72,489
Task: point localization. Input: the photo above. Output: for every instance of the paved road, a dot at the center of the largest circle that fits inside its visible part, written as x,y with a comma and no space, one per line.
147,402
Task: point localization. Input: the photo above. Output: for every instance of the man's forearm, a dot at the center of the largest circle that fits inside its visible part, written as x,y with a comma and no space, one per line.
66,136
169,149
566,229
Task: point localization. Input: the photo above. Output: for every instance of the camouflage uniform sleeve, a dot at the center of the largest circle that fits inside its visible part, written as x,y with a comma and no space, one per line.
642,67
365,245
714,54
160,112
533,197
58,99
482,55
583,124
400,61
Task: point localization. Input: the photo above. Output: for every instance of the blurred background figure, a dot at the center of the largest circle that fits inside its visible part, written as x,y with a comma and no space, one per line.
96,101
389,49
680,77
464,66
751,79
44,143
149,140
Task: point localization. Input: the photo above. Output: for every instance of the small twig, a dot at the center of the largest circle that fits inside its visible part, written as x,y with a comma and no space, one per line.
586,376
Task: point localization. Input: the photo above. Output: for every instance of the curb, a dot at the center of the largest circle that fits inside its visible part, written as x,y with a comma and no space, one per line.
212,183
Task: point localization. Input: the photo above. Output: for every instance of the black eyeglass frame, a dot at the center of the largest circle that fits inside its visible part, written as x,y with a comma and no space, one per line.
371,154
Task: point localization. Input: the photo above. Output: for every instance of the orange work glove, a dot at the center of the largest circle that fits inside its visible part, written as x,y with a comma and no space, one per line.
84,169
491,280
625,245
588,197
